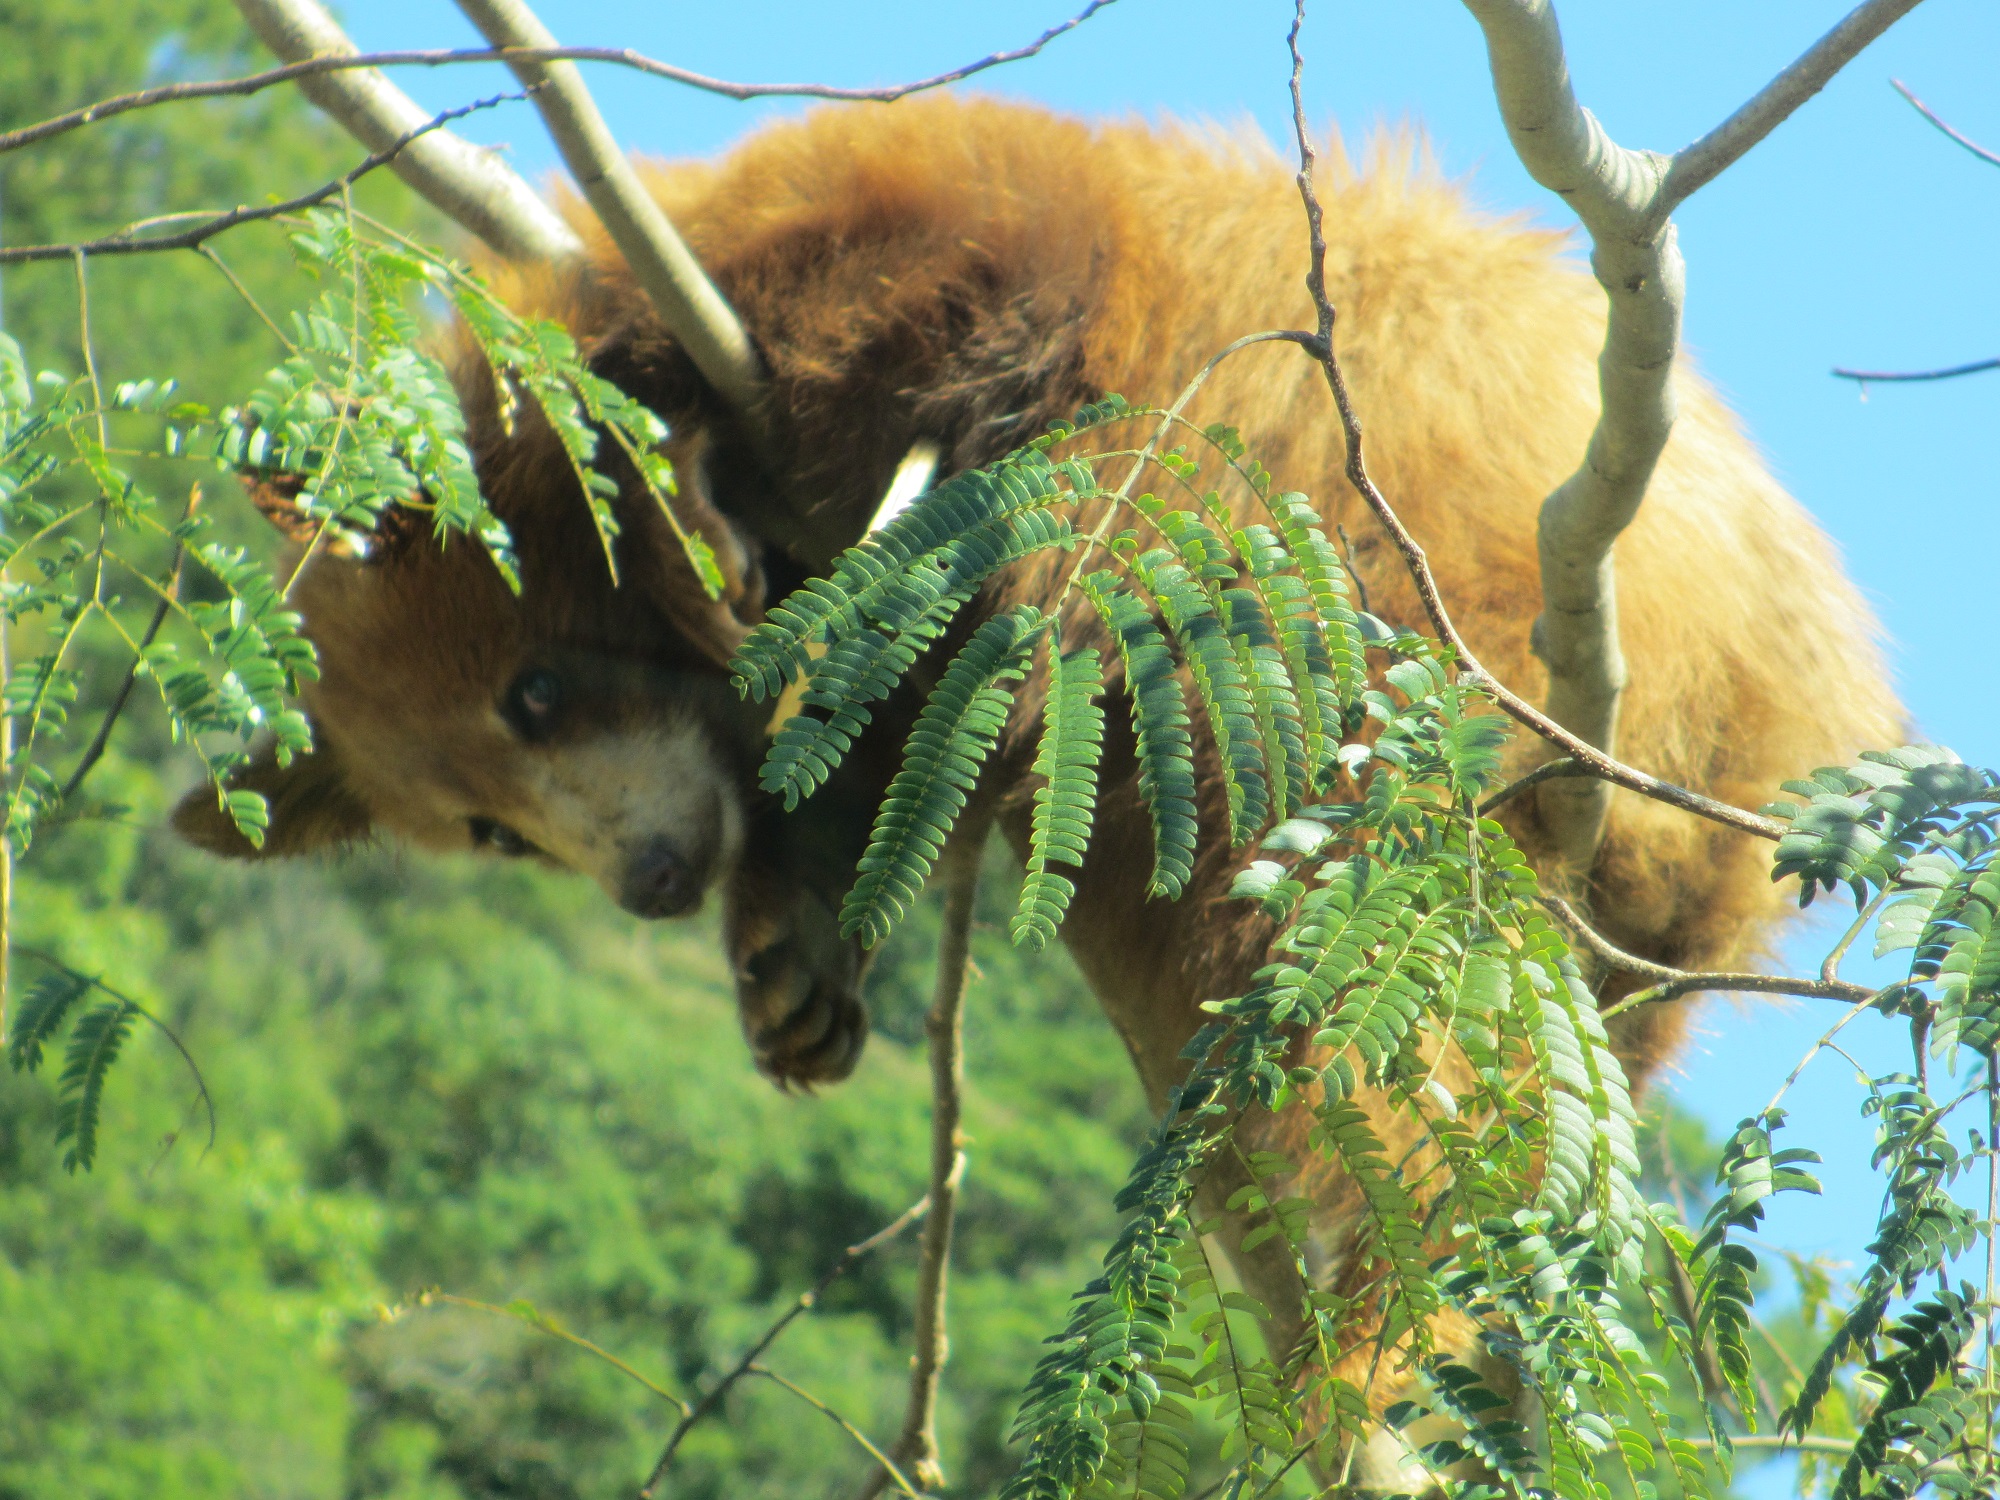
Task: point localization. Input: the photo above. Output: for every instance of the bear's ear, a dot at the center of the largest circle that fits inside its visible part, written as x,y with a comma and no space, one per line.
275,495
311,806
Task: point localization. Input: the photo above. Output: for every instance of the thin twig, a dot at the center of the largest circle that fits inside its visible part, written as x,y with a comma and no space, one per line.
191,239
1775,1442
888,1470
1671,984
1950,373
541,1323
1925,110
1320,345
94,751
807,1300
917,1447
1561,766
433,57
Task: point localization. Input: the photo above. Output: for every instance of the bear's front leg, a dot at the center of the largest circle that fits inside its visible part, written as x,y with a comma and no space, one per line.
798,981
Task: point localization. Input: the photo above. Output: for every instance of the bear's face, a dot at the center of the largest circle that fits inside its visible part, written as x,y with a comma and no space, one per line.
617,769
583,720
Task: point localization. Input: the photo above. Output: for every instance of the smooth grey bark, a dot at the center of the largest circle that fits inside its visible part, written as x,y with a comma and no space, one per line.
1624,199
680,291
467,182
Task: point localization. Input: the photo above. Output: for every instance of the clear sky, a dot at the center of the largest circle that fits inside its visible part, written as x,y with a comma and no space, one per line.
1857,235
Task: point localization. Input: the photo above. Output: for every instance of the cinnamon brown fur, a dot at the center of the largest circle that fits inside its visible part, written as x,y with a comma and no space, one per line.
969,271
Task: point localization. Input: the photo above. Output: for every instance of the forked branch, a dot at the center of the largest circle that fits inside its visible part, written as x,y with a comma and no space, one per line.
1670,983
471,185
693,1413
1624,199
1588,757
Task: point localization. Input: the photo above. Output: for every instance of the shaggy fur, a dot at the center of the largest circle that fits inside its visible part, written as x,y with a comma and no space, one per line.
968,272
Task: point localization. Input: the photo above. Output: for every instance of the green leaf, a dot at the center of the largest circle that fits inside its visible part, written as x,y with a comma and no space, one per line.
1160,725
1072,744
94,1043
41,1014
953,735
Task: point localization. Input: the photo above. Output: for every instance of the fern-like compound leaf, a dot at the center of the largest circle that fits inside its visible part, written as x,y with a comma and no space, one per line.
1072,745
857,670
94,1043
1219,685
954,734
1160,725
1857,825
950,537
1930,1337
1325,575
41,1015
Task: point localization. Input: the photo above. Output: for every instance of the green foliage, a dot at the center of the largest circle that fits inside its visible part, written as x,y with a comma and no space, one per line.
1066,802
488,1069
1277,680
950,741
481,1106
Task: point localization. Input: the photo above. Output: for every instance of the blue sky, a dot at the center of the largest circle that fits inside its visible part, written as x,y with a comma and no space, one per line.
1857,235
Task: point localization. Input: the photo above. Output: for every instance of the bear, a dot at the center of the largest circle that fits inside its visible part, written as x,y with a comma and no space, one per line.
965,272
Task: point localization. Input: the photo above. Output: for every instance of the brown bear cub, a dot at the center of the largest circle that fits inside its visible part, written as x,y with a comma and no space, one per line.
966,273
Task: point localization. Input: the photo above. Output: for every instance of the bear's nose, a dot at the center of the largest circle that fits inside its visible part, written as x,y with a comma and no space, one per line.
659,881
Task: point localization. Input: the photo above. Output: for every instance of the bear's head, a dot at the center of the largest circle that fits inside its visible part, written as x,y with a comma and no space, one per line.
581,721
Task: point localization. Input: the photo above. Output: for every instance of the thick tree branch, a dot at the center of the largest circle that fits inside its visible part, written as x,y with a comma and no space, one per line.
1587,756
132,243
916,1450
747,1365
433,57
666,270
1624,199
471,185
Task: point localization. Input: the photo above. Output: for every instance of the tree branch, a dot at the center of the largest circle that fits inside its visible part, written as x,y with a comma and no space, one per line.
1624,199
1320,345
1548,770
888,1469
666,270
1928,113
1671,984
1952,373
433,57
470,185
807,1300
916,1450
1696,165
169,596
129,243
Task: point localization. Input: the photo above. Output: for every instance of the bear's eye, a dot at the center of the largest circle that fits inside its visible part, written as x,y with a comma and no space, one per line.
487,834
534,704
